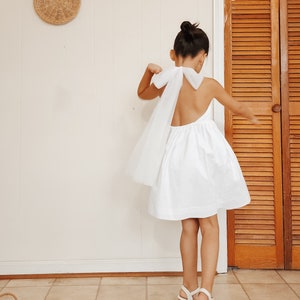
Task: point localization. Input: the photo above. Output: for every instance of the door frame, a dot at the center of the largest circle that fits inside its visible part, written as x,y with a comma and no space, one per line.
218,112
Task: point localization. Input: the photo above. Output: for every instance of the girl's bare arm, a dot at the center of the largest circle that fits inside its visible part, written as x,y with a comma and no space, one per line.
146,90
236,107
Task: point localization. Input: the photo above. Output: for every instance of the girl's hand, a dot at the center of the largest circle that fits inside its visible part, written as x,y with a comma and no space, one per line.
146,90
154,69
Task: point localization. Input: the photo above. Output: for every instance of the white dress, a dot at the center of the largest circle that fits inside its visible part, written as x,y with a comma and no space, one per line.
191,169
199,174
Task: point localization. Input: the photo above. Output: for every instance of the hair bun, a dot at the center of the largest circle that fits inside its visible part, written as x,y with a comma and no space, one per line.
188,29
186,26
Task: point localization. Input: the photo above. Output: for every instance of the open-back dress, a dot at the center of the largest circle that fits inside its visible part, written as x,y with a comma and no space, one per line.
198,172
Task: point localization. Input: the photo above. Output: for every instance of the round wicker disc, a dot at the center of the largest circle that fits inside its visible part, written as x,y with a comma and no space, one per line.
57,12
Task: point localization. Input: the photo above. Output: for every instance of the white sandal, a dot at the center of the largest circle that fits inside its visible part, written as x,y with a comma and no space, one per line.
188,293
206,292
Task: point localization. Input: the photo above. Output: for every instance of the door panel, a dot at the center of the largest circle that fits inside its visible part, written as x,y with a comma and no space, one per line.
290,94
253,76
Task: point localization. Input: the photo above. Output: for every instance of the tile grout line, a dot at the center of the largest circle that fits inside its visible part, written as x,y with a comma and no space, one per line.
146,288
288,284
50,288
241,285
293,291
98,291
1,288
5,285
281,276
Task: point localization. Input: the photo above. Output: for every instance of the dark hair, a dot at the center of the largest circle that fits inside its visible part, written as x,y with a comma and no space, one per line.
190,40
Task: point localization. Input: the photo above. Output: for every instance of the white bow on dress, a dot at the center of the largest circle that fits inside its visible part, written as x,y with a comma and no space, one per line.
145,161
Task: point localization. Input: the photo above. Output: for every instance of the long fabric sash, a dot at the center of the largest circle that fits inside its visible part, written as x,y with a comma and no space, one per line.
148,153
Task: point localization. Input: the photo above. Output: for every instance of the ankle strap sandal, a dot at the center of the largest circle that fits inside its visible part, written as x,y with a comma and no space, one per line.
188,293
206,293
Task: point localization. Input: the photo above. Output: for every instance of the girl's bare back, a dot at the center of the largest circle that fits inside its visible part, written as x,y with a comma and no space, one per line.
192,104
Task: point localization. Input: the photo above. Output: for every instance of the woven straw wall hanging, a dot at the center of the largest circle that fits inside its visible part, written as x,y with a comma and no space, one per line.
57,12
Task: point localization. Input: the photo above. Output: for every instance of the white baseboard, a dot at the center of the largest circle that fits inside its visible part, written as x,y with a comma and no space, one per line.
93,266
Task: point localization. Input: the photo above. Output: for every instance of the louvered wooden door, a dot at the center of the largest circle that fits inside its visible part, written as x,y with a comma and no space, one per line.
255,233
263,69
290,74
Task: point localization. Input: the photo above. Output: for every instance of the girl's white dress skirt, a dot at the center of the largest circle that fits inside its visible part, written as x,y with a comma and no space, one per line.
199,174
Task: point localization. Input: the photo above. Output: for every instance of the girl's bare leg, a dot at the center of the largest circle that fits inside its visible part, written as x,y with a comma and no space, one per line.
189,253
209,252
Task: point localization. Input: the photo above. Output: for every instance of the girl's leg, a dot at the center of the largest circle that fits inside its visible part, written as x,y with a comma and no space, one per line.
209,252
189,253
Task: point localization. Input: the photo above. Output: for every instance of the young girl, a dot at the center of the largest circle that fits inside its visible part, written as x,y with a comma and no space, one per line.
182,155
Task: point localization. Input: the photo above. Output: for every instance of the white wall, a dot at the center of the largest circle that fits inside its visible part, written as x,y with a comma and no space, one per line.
69,117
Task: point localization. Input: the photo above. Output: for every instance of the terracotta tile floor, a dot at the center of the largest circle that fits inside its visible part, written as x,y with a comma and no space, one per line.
235,285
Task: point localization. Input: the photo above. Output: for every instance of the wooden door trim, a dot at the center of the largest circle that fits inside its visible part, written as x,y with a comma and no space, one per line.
277,135
286,166
228,83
